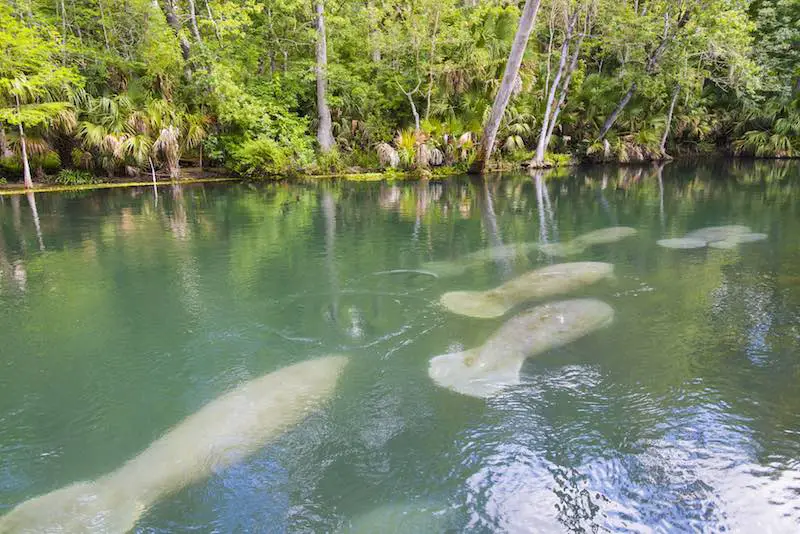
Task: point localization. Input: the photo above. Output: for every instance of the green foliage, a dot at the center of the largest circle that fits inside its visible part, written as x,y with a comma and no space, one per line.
262,157
75,177
330,162
558,160
123,89
10,166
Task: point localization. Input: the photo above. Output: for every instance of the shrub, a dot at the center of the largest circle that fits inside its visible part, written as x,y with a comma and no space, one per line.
75,177
365,159
10,167
330,162
558,160
261,157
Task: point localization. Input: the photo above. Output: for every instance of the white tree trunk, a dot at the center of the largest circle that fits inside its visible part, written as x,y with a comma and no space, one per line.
324,129
5,148
26,168
573,64
193,21
675,93
541,146
507,84
617,110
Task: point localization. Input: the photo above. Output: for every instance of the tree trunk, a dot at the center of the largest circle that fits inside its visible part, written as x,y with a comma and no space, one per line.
193,20
675,93
538,159
103,24
615,114
213,22
174,23
430,70
506,85
373,33
324,129
414,111
26,168
63,32
573,64
650,67
5,148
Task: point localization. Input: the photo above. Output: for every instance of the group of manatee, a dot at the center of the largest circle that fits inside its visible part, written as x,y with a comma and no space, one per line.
238,423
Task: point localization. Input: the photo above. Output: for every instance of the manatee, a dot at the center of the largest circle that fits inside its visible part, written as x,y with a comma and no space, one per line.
718,233
484,371
541,283
404,518
577,245
478,258
736,240
682,242
223,432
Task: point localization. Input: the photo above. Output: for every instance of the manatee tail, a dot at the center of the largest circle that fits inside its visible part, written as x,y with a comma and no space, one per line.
81,507
461,372
478,304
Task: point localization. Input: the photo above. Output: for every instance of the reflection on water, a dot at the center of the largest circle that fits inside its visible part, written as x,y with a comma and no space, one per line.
121,316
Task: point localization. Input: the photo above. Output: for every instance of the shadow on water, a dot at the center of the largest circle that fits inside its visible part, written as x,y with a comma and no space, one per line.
122,315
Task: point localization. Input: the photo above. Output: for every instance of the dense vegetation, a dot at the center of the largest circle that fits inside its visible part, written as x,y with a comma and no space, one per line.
104,88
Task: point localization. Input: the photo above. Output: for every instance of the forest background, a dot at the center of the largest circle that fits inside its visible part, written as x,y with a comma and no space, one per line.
91,89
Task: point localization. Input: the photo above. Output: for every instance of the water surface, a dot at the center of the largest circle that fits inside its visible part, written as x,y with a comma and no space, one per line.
120,315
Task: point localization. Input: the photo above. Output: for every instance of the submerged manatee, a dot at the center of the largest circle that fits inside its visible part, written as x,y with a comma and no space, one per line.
223,432
602,236
541,283
736,240
484,371
479,257
682,243
723,237
404,518
718,233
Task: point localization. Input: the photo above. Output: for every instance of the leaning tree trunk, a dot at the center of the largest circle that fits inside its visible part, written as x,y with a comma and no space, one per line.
650,67
617,110
324,129
675,93
506,85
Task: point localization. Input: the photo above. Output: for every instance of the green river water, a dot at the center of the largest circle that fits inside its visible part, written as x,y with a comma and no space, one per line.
121,314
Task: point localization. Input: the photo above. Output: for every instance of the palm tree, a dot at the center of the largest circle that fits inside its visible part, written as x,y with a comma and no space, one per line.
35,104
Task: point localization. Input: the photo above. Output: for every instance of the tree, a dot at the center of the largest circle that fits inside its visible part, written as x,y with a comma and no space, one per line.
510,74
33,90
324,128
